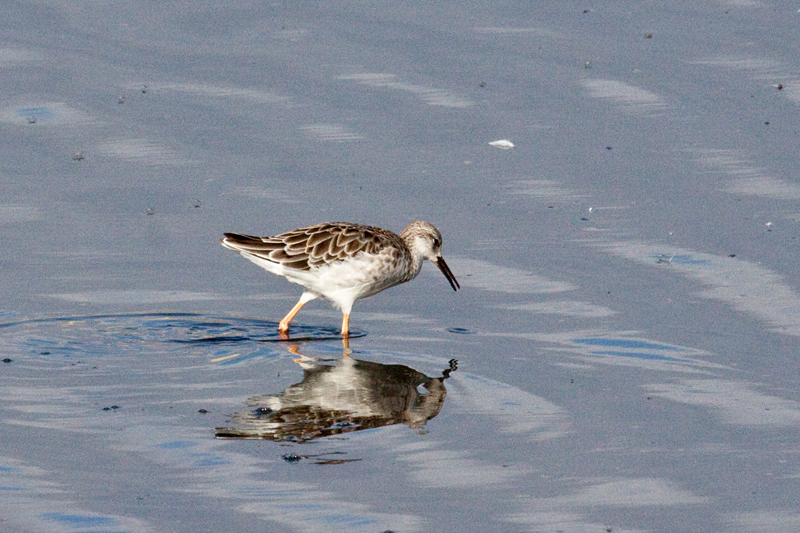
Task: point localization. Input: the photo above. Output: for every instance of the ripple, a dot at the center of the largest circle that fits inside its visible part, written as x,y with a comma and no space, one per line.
120,334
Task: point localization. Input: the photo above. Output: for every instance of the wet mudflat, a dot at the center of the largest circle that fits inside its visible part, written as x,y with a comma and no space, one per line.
622,355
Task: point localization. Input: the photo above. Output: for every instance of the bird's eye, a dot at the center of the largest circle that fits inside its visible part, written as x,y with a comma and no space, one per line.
436,243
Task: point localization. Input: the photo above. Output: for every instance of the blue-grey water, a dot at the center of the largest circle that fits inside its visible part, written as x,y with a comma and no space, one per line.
623,354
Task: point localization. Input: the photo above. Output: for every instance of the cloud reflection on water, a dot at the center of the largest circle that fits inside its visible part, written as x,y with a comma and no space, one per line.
744,285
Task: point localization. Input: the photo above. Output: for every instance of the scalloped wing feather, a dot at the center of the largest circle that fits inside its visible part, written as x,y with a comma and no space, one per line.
315,246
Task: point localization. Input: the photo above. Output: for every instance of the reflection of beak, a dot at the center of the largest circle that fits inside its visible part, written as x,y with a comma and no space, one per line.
446,271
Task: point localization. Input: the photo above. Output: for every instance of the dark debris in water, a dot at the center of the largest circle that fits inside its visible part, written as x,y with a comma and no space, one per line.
7,360
335,461
112,408
461,331
321,459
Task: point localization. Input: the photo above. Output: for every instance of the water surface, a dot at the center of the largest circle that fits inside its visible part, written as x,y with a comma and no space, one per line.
622,355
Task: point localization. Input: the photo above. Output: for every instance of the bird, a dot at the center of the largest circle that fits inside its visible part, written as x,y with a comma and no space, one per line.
343,261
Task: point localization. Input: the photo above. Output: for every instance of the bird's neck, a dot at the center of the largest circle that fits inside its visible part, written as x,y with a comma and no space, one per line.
416,260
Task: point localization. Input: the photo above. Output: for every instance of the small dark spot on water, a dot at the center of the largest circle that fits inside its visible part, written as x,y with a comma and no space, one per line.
461,331
7,360
112,408
731,255
202,411
291,457
335,461
584,219
608,148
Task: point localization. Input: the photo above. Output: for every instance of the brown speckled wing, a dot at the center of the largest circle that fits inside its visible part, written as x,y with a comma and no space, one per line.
314,246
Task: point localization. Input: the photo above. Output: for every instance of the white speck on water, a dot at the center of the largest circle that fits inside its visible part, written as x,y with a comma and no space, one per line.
503,144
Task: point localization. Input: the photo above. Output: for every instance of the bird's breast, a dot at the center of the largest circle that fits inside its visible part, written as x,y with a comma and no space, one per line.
365,274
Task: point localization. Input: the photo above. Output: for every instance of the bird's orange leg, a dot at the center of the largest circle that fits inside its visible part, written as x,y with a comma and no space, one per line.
346,325
283,326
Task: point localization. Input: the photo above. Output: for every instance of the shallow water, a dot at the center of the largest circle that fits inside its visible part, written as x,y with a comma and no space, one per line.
622,355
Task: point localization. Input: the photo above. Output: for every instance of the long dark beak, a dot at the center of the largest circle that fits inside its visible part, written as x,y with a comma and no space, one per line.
446,271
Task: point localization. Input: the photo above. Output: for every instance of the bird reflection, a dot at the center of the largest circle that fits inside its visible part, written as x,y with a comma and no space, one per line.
348,395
